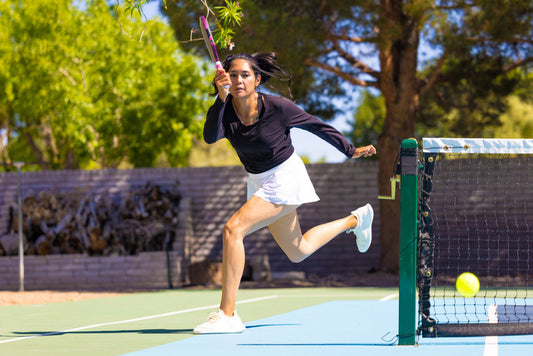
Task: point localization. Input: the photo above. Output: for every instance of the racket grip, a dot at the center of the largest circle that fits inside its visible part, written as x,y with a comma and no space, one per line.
219,67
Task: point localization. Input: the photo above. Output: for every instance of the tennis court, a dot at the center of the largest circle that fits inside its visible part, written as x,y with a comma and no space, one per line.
435,248
326,321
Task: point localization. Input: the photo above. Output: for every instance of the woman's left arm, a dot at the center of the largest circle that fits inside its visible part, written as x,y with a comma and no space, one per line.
297,117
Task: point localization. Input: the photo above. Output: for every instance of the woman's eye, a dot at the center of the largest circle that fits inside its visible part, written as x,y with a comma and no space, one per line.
235,75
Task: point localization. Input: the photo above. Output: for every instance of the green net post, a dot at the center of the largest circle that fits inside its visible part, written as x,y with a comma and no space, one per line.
408,238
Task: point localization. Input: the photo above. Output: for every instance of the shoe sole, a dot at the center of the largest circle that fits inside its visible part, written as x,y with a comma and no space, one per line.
368,226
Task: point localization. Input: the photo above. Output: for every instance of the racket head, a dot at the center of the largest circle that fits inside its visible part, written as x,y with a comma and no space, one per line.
209,42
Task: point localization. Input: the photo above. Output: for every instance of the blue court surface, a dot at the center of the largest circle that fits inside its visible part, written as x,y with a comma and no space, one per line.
337,328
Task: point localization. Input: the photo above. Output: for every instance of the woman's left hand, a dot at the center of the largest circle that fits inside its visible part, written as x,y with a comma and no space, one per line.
365,151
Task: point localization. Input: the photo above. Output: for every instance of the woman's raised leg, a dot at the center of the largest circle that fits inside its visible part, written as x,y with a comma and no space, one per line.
287,233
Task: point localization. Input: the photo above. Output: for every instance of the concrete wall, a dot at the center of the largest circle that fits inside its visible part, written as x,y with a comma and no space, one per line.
211,195
82,272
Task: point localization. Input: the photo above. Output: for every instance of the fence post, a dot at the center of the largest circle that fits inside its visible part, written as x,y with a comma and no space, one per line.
21,234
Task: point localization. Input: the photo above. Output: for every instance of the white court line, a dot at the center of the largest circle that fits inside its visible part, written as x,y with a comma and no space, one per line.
384,299
491,342
389,297
136,319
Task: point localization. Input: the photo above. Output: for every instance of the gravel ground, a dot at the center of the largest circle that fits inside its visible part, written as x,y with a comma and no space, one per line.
373,279
47,296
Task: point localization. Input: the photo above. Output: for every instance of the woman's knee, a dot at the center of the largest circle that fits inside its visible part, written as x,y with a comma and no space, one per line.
232,231
297,259
296,256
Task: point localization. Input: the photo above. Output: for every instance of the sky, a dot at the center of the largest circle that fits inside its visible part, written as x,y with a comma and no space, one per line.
305,143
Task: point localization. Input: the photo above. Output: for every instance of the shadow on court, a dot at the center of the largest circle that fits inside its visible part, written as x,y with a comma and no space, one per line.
124,331
128,331
267,325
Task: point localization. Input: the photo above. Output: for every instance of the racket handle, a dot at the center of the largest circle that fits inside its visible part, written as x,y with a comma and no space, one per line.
219,67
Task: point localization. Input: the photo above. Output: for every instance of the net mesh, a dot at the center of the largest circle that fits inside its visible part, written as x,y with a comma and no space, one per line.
476,214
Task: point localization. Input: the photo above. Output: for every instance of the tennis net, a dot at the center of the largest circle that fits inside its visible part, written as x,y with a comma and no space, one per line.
475,214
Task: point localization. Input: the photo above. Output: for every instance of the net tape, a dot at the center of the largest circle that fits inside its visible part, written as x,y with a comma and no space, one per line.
477,145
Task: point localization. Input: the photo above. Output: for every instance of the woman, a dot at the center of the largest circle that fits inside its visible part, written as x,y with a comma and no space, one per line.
257,125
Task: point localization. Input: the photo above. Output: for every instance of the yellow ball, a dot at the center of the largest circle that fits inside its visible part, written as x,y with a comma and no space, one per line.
467,284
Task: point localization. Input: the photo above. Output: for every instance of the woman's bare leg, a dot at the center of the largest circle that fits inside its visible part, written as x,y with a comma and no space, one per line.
287,233
256,213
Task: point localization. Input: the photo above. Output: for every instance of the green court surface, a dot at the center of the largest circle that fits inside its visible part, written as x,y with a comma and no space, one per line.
139,321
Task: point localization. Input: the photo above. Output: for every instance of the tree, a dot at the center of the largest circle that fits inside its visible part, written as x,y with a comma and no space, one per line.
473,113
466,106
78,93
516,122
213,155
334,46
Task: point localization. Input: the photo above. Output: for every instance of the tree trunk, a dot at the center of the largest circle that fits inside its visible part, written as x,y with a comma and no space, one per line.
398,83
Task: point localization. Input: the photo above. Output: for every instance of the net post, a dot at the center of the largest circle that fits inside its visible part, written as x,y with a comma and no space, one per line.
408,238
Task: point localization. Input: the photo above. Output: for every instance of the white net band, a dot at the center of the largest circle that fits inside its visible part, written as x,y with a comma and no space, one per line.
477,145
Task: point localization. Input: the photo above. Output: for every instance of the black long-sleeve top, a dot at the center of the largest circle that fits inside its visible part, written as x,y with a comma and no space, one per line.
267,143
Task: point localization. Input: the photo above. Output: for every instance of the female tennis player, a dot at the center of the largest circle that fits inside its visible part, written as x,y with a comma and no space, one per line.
257,125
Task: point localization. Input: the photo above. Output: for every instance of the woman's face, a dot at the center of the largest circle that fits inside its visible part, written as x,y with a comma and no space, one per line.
243,79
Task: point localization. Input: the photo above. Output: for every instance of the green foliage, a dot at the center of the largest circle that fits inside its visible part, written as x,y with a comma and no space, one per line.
230,14
510,117
473,96
516,122
514,119
523,89
307,160
81,94
184,14
217,154
132,5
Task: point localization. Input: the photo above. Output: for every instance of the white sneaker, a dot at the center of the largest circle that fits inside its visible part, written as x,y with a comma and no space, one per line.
363,229
220,323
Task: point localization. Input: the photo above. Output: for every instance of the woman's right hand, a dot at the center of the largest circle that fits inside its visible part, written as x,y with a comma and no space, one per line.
222,81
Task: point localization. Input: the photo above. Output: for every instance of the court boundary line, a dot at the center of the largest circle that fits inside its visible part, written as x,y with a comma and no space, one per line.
491,342
389,297
252,300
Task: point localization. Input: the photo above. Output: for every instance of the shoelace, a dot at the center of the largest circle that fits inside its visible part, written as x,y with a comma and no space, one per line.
214,316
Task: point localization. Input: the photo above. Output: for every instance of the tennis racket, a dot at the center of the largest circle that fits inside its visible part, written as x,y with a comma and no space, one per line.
210,44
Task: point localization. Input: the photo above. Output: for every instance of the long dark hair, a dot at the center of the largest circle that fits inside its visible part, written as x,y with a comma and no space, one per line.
264,64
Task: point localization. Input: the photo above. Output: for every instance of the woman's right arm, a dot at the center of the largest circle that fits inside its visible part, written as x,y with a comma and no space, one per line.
213,127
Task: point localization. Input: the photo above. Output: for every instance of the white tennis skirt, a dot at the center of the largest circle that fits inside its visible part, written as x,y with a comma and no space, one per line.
287,183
